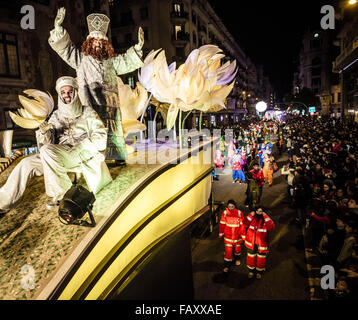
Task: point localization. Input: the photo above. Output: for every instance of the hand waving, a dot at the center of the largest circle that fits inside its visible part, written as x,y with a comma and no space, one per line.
140,43
44,127
60,17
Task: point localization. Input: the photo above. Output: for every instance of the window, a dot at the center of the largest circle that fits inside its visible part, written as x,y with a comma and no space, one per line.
177,8
178,29
144,14
9,56
194,38
130,81
339,97
333,97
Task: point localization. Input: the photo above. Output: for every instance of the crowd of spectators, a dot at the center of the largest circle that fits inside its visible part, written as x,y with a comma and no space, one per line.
322,177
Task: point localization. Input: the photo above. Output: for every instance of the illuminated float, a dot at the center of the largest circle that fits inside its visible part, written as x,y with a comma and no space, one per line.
150,203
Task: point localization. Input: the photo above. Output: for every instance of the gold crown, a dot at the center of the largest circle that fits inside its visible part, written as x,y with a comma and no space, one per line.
97,25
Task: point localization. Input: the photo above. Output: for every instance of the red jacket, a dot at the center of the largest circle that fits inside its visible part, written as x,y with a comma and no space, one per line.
257,232
236,166
258,176
232,226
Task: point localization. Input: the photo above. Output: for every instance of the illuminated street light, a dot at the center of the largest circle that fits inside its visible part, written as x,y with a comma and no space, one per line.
261,106
352,2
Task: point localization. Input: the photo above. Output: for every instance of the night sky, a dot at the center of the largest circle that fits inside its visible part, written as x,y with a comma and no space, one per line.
270,33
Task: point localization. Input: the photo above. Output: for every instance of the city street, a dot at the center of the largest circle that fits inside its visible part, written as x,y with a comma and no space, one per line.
285,277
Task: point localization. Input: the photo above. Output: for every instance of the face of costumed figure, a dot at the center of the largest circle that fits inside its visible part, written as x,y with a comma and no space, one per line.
97,44
67,94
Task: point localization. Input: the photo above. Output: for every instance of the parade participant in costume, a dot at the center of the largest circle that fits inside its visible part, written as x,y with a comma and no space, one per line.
235,142
257,175
219,159
269,167
261,153
267,151
239,140
237,172
231,228
243,160
222,146
74,137
252,193
230,151
258,224
97,67
279,145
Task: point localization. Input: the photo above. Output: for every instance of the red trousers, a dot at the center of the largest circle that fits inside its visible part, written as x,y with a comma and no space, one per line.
228,257
259,264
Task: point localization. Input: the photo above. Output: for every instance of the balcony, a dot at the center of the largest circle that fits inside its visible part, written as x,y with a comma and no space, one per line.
180,39
341,60
179,17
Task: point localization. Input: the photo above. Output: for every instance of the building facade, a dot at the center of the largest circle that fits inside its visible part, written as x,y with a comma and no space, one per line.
315,68
346,64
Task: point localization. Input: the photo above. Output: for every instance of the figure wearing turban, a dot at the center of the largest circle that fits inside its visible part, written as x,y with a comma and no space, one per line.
73,140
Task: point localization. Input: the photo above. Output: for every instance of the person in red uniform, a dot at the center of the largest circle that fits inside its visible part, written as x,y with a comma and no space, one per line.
257,174
231,228
258,225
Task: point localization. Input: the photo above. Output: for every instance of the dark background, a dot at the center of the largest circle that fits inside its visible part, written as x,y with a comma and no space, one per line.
270,33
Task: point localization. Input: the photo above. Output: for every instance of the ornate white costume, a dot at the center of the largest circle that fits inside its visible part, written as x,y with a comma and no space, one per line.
97,79
73,141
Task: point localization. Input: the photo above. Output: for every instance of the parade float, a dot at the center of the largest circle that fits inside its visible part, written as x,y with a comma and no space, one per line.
143,217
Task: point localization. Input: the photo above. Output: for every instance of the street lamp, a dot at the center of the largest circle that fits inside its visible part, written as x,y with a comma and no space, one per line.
261,106
352,2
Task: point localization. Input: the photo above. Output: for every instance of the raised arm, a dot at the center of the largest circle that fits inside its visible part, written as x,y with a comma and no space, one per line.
131,60
60,41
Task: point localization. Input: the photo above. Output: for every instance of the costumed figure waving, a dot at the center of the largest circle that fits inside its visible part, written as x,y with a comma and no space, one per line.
97,67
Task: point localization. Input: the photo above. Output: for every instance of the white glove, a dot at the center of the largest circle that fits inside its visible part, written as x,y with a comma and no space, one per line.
139,45
59,19
44,127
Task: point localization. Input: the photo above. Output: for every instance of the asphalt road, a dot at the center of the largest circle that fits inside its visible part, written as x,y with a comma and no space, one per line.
285,277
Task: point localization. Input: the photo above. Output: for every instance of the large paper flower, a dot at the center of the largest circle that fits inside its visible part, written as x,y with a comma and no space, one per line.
200,83
131,103
35,110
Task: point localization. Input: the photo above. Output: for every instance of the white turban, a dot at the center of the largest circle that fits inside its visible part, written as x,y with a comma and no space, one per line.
65,81
74,108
